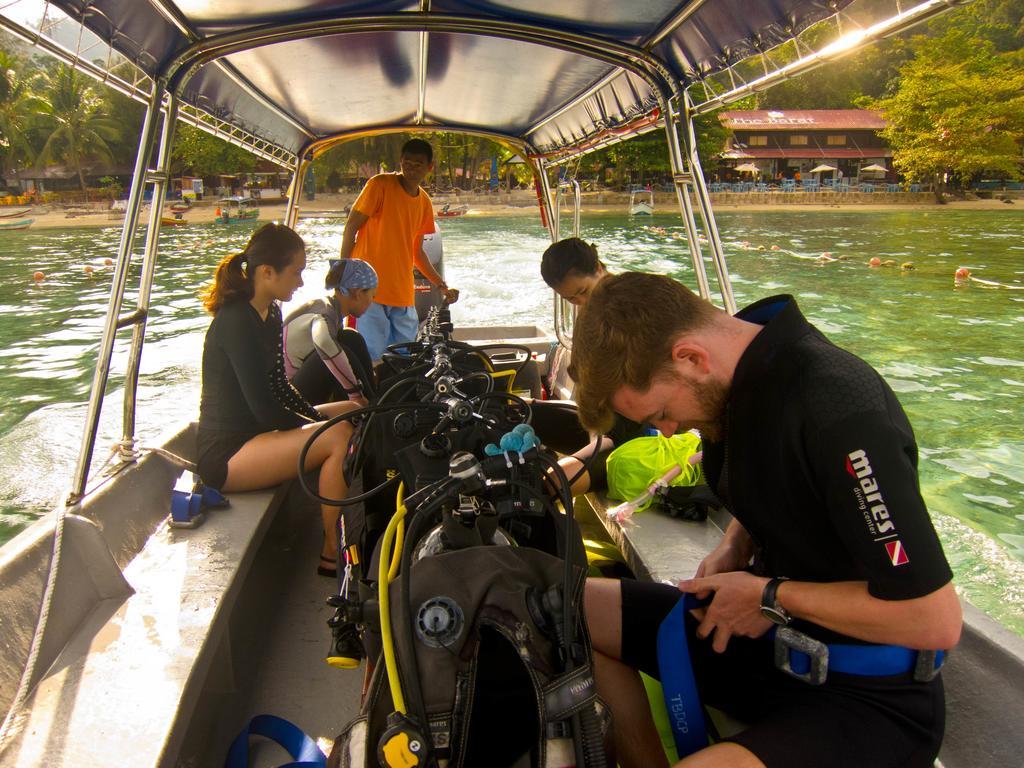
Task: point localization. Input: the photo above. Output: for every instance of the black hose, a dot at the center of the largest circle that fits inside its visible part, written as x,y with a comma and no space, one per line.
587,462
508,396
348,416
357,458
479,375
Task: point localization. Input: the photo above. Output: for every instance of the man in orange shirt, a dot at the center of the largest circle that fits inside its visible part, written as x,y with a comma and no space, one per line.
391,216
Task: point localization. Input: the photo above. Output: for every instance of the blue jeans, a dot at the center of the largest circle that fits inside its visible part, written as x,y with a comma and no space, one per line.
383,324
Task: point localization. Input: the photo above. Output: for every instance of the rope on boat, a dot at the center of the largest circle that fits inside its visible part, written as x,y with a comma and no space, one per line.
37,638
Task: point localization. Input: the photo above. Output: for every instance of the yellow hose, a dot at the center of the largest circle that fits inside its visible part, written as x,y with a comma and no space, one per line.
383,580
396,558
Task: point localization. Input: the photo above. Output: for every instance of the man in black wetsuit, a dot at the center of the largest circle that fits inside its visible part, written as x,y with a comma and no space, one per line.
809,449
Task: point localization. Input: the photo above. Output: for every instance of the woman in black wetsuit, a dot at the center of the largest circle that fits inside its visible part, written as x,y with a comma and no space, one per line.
252,422
572,269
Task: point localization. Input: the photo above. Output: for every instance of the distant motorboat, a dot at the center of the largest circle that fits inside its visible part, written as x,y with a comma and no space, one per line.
10,226
234,209
641,202
10,213
448,211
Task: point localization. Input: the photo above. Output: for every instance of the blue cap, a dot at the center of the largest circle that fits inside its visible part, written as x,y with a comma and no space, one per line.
346,274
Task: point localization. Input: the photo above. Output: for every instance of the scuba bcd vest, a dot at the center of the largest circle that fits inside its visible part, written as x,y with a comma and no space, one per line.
487,627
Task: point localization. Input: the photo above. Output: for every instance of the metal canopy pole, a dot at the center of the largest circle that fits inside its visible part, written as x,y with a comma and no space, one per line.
681,181
160,179
704,201
113,322
576,202
565,311
291,213
561,306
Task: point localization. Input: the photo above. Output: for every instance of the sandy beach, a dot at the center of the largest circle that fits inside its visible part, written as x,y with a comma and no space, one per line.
521,203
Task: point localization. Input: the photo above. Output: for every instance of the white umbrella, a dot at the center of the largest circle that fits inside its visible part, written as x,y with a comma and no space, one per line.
748,168
823,168
875,168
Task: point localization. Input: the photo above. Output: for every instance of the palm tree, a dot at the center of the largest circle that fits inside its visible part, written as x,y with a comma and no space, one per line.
18,105
72,112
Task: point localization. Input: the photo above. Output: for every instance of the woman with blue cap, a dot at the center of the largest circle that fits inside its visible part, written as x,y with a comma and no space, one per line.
321,356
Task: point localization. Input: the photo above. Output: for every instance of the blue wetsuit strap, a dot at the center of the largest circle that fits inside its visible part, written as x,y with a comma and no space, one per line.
677,681
301,747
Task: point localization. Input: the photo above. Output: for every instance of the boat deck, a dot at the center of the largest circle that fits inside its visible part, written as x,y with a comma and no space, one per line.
287,675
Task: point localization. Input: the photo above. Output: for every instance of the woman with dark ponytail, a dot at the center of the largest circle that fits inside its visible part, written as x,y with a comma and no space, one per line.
252,422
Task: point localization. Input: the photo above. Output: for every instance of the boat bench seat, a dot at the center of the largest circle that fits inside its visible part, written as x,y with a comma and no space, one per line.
658,547
125,687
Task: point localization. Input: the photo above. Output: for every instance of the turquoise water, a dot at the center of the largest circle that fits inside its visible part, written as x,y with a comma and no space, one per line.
955,356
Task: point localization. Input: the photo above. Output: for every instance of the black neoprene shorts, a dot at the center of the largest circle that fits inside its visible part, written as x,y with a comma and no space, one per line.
215,450
850,721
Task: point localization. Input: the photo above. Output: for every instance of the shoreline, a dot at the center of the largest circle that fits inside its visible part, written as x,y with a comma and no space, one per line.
332,206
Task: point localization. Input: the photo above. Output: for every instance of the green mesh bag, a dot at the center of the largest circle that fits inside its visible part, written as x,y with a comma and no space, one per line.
633,466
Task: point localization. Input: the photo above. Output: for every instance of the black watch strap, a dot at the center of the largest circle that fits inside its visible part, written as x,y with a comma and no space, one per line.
768,595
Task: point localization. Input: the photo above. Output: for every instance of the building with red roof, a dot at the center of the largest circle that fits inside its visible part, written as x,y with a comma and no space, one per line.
782,143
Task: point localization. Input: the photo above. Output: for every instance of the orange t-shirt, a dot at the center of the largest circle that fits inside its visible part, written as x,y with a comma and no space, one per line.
391,236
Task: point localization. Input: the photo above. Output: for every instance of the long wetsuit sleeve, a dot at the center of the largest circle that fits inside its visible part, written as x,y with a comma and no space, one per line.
240,342
283,390
334,356
866,463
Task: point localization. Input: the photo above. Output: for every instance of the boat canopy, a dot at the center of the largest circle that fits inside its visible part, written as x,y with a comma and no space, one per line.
286,77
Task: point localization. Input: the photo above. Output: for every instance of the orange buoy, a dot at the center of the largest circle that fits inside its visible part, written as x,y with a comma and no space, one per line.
874,261
776,248
108,262
962,276
88,269
38,276
826,254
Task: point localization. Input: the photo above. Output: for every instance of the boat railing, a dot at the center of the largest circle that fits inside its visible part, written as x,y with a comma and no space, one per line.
565,313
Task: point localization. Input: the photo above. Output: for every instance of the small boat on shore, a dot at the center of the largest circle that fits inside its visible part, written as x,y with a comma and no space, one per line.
11,213
235,209
11,226
172,221
448,211
641,202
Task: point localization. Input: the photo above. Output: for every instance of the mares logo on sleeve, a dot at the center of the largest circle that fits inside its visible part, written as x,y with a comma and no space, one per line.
869,495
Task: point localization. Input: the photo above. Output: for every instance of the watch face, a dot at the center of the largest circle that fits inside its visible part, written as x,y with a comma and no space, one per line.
775,615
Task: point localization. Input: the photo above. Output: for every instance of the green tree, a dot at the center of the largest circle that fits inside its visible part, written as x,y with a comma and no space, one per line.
72,117
958,110
203,154
18,107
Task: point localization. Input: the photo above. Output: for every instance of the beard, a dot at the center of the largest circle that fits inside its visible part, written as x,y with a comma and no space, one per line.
713,396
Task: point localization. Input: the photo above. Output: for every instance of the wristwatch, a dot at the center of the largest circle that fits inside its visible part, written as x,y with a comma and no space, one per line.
770,607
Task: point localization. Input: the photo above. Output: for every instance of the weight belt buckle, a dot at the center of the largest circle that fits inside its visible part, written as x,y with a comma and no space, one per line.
788,640
927,665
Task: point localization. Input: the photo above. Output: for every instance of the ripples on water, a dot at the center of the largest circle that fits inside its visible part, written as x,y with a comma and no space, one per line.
954,356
